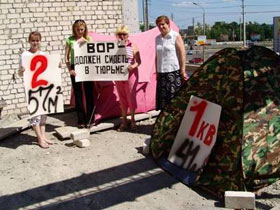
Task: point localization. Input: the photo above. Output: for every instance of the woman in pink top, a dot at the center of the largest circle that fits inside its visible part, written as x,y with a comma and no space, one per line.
127,89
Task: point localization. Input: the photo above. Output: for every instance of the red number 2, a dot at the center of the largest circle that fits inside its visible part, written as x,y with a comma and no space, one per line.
43,66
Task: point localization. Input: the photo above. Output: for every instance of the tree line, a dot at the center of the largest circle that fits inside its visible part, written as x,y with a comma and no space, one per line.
234,31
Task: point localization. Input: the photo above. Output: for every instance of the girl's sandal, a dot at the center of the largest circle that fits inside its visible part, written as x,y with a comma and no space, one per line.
43,145
122,128
49,142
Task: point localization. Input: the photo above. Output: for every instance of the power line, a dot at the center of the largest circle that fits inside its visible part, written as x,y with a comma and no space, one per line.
188,18
264,5
231,9
264,12
191,10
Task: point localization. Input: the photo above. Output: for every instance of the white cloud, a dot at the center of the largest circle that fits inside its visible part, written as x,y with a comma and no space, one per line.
183,4
189,4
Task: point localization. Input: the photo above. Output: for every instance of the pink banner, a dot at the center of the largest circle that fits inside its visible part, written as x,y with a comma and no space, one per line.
106,96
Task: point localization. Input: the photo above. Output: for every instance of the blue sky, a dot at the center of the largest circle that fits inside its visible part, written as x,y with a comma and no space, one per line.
260,11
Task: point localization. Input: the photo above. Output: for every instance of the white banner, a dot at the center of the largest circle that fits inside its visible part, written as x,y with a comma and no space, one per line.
201,40
100,61
42,81
196,135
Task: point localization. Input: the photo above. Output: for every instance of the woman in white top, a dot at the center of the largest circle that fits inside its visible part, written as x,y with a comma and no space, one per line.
170,62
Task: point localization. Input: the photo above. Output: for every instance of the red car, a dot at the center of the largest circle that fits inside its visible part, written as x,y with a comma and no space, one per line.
196,60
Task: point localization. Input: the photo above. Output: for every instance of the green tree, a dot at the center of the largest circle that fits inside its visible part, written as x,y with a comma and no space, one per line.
267,31
218,29
141,26
198,29
232,30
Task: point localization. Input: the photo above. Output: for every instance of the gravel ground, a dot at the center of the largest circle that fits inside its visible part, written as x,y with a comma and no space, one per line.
111,173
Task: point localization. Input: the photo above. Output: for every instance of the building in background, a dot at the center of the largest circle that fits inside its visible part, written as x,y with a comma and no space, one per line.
255,37
130,15
276,37
54,20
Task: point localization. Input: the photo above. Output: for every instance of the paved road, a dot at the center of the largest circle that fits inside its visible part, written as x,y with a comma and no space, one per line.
197,51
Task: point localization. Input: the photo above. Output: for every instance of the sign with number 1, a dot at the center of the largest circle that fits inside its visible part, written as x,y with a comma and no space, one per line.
196,135
42,81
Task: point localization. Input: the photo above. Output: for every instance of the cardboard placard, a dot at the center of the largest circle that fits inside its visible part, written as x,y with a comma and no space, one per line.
100,61
196,135
42,81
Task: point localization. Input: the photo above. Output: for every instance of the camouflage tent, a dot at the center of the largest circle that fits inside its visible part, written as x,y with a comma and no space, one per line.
247,85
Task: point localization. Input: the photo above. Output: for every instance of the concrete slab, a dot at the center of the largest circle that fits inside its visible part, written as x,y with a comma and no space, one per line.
13,128
13,125
64,132
116,121
277,207
105,125
80,134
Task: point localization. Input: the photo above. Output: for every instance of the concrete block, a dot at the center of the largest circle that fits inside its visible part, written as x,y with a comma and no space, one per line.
146,146
64,132
80,134
82,143
103,126
239,200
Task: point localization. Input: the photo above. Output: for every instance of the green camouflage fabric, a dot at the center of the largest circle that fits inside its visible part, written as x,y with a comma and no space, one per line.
261,132
225,79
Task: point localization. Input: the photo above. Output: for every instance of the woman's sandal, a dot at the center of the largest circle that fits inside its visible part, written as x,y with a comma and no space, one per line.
81,126
133,126
122,128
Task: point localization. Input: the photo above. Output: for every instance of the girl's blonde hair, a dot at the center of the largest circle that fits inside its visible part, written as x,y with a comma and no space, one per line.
122,30
79,23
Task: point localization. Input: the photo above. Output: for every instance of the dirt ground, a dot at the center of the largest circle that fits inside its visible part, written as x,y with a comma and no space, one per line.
111,173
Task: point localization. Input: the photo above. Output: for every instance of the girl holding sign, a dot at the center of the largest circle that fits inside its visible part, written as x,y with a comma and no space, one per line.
38,123
127,89
80,36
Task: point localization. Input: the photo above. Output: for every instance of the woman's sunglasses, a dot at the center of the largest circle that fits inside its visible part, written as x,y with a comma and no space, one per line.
120,34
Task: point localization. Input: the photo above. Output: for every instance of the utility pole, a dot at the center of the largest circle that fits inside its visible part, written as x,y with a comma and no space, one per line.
240,30
244,24
145,15
204,26
193,26
203,15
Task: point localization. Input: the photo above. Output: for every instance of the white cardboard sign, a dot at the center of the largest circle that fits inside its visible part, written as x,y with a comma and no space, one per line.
100,61
196,135
42,81
201,40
